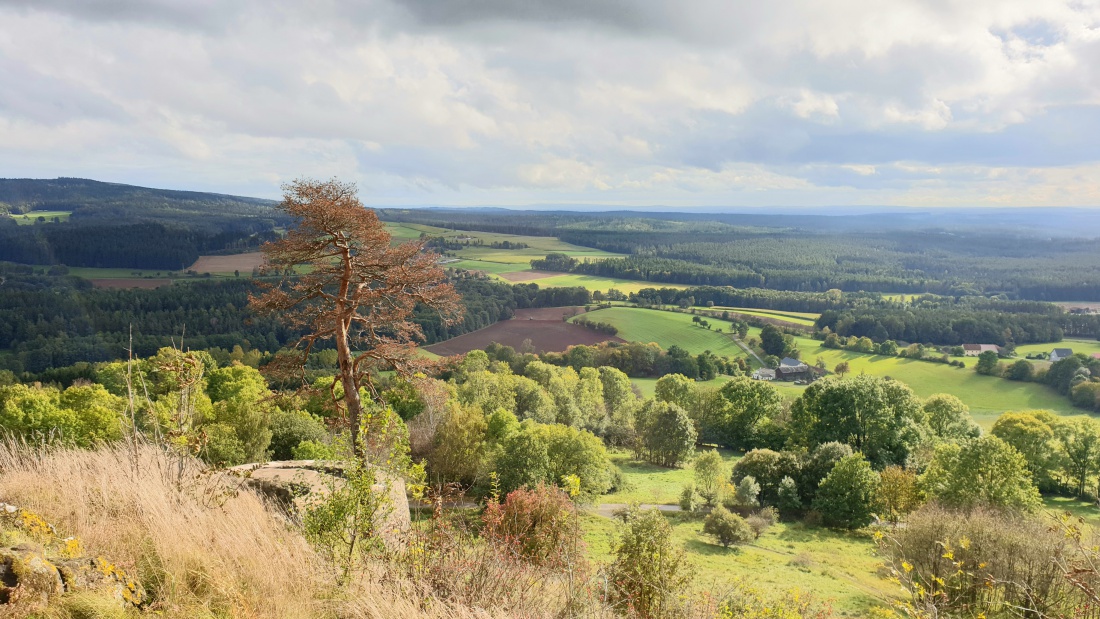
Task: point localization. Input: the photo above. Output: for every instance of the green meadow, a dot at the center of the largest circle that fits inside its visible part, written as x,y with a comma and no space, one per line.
987,396
28,219
668,329
800,318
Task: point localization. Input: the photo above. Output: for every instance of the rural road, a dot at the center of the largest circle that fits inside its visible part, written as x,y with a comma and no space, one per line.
745,348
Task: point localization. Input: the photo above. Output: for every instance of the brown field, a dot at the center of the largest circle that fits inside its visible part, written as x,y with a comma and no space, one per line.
227,264
122,282
544,327
529,276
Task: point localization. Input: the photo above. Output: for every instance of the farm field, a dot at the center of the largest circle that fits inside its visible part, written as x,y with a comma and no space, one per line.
545,329
800,318
98,273
244,263
668,329
28,219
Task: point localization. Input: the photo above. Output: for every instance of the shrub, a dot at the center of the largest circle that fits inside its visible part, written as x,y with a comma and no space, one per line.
789,499
758,525
727,527
689,498
539,524
290,428
747,493
650,574
982,561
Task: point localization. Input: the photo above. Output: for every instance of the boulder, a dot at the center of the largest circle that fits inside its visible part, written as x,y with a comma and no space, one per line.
295,484
38,566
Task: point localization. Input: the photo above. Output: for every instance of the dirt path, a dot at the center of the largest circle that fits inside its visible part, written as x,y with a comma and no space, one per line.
744,347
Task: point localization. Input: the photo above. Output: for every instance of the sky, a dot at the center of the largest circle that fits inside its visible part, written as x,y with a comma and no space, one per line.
717,103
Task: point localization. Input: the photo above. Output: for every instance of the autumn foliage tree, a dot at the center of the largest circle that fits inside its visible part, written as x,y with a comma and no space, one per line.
341,281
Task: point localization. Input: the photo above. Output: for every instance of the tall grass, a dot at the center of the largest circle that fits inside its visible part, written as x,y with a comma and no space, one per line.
201,546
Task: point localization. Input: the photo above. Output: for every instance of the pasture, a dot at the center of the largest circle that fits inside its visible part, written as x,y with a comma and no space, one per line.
31,218
1087,347
669,329
805,319
987,396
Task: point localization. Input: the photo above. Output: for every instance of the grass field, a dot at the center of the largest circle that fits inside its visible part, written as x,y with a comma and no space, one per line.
986,396
668,329
794,318
95,273
30,218
1083,346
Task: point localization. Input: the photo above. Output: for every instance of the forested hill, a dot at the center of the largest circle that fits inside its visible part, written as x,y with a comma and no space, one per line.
85,223
94,200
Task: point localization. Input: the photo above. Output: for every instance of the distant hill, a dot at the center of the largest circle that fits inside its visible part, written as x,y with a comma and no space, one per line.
95,201
123,226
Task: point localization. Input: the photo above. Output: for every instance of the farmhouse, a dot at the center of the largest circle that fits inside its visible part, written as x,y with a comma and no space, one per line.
764,374
973,350
792,369
1058,354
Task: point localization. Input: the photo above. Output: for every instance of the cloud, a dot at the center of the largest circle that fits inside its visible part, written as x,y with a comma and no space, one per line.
598,101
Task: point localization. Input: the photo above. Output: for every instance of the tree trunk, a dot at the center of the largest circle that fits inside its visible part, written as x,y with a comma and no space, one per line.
351,389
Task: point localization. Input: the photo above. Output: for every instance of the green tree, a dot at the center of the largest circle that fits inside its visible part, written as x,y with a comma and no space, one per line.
1078,442
949,418
666,432
650,574
898,493
768,468
727,527
772,341
847,496
710,475
988,363
842,368
980,471
1031,434
1020,370
674,388
816,465
460,450
747,406
788,499
876,416
290,429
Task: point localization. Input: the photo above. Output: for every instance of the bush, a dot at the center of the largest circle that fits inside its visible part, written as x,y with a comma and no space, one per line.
747,493
727,527
290,428
650,574
983,561
789,499
539,524
667,433
689,498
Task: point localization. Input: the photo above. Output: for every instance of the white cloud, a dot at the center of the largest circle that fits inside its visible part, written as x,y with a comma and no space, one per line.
706,102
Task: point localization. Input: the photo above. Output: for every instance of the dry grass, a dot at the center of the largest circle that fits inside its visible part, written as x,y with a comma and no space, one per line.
204,548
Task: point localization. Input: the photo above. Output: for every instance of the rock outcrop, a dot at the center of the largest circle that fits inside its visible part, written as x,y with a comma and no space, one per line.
295,484
38,567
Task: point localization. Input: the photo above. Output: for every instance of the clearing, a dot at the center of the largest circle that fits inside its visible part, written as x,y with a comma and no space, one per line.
29,219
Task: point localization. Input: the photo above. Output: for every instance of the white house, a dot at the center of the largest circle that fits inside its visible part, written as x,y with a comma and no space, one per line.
1058,354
